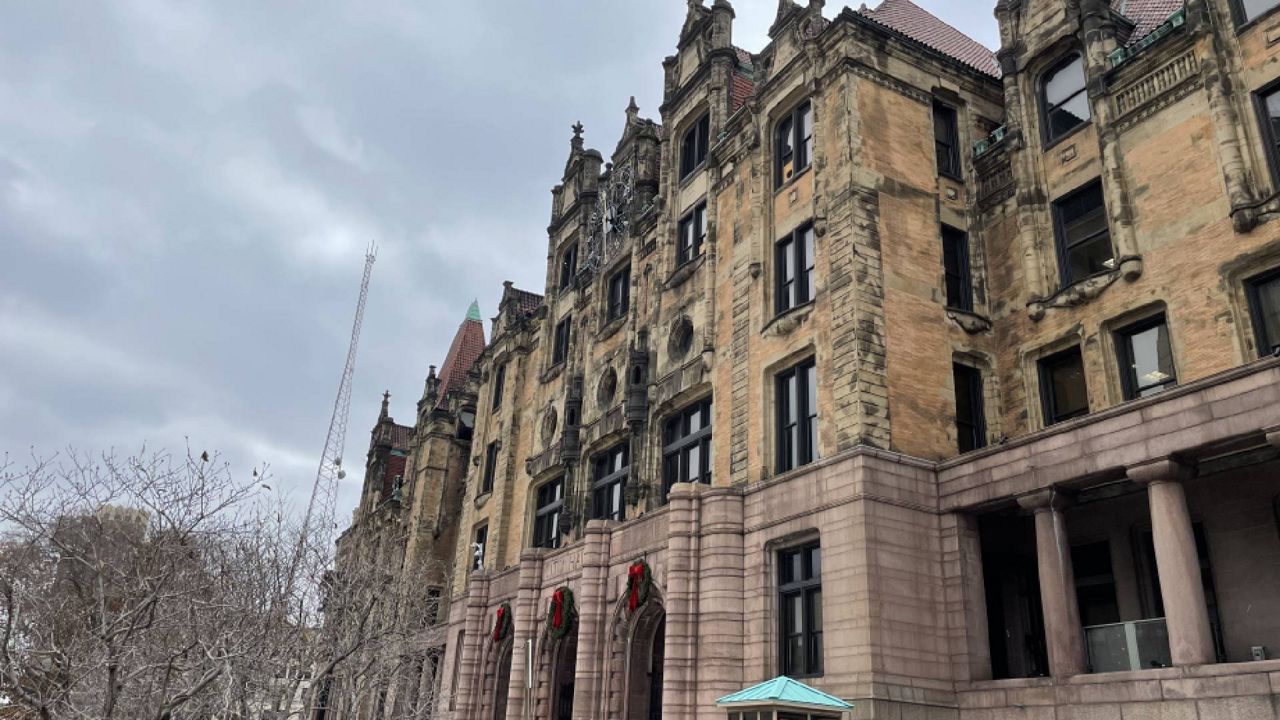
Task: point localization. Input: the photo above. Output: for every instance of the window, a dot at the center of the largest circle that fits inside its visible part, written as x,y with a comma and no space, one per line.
693,149
692,230
1063,391
1250,10
480,540
608,480
619,293
797,416
971,421
1084,240
1268,103
946,140
560,350
466,423
686,446
499,380
490,468
1146,361
432,614
800,616
1264,306
793,257
546,522
1064,103
955,267
793,143
568,265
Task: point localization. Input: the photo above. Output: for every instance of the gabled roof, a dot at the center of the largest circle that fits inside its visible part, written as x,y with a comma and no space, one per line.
401,436
523,302
922,26
783,690
1146,15
467,345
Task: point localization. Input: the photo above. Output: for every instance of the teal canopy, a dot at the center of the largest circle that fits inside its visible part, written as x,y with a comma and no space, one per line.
783,690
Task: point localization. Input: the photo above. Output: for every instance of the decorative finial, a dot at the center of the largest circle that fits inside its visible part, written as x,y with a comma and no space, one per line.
473,312
633,110
386,404
576,142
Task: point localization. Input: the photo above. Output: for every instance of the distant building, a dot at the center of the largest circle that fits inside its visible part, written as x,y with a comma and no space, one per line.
941,380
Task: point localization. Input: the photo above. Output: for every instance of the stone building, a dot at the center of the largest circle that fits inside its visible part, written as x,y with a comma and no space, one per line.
942,380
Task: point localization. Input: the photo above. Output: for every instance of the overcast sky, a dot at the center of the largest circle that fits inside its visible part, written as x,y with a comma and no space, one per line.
187,188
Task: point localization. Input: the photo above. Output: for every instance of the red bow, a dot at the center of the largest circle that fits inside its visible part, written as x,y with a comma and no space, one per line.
635,576
497,628
557,603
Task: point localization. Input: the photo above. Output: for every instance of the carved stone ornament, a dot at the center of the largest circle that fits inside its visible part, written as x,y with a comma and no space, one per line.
971,323
1077,294
549,421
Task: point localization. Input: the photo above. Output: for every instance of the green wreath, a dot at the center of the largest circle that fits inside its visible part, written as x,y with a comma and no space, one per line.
639,580
562,614
502,623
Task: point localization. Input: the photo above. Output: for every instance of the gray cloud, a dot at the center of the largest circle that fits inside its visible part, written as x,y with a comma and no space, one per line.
186,191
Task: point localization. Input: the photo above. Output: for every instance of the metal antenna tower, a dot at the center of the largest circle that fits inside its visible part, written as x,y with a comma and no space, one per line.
319,524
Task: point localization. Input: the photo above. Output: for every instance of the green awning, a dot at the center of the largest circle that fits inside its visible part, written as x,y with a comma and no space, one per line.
783,690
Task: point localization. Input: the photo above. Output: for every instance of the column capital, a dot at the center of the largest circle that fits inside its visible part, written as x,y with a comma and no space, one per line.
1163,470
1051,498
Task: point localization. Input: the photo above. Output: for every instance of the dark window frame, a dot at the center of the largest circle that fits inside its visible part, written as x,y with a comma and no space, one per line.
490,467
568,265
1047,136
678,440
694,222
791,127
499,385
694,147
1270,138
618,300
1045,366
1242,21
797,246
1061,244
1264,344
546,515
560,343
958,279
971,427
808,587
799,448
1130,385
479,536
947,149
604,479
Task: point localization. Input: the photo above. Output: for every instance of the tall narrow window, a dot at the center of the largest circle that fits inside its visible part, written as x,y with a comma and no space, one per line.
693,148
608,481
432,610
560,350
490,468
692,231
686,446
1064,101
546,522
800,616
793,143
946,140
1064,393
619,293
1146,360
971,420
793,260
1264,306
499,382
1083,237
797,411
1268,103
479,541
1250,10
955,267
568,265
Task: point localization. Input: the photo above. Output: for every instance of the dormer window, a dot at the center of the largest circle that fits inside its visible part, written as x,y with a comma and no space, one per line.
1064,100
693,148
793,143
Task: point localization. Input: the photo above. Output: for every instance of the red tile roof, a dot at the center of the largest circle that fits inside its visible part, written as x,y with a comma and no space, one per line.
1146,15
401,436
922,26
525,303
395,466
467,345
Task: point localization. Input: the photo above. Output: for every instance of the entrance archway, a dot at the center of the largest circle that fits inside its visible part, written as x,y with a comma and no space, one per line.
499,683
564,668
647,651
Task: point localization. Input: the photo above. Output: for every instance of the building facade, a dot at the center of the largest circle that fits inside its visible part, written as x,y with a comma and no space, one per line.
943,380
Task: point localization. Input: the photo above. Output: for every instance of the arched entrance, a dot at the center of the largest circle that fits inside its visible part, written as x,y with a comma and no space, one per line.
564,669
646,653
499,683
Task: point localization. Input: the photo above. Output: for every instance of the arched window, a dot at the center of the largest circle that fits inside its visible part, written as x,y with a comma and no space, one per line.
1064,101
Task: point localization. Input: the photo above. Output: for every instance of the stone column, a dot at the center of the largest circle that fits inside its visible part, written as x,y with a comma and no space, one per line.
720,584
680,672
525,615
472,642
1186,613
1063,634
592,621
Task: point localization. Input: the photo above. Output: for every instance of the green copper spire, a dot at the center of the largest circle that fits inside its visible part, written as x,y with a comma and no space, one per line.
473,312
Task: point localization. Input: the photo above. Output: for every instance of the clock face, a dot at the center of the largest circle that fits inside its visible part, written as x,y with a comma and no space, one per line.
610,219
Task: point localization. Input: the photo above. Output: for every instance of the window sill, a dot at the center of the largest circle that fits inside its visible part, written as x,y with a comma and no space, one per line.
1250,24
787,321
482,499
794,179
611,327
1051,144
1083,291
685,271
552,372
968,320
952,177
688,179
